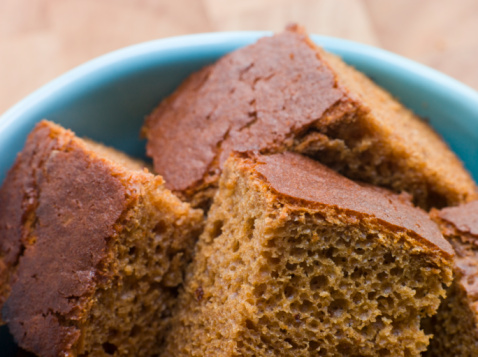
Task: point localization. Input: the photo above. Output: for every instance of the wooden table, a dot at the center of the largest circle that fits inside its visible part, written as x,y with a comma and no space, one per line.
41,39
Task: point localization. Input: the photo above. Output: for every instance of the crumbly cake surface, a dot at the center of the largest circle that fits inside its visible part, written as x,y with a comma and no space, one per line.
308,264
455,327
284,93
92,251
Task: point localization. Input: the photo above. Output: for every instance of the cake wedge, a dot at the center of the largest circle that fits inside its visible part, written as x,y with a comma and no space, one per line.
297,260
92,249
285,93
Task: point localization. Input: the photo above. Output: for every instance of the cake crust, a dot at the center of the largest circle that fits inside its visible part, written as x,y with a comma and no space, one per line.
60,271
63,271
255,98
463,218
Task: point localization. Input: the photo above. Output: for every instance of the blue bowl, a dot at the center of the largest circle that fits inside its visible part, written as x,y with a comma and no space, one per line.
107,98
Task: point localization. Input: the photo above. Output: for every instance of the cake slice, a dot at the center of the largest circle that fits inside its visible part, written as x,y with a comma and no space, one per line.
297,260
455,327
285,93
92,249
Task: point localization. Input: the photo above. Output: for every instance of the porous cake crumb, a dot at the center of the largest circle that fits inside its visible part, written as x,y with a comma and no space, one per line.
297,260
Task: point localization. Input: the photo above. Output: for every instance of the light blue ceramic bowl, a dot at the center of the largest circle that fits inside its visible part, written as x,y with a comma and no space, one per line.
107,98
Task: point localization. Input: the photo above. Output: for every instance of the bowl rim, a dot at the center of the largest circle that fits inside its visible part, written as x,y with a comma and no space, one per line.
361,52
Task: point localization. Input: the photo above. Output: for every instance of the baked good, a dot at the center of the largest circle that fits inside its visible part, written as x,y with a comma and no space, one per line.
455,326
285,93
296,260
92,248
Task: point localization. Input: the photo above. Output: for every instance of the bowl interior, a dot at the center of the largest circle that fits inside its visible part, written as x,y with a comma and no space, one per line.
107,99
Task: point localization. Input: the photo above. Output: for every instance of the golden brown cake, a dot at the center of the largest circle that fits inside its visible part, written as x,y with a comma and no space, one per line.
92,249
285,93
455,327
297,260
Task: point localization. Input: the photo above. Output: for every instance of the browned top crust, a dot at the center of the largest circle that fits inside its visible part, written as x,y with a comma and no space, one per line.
18,196
463,217
66,202
296,177
252,99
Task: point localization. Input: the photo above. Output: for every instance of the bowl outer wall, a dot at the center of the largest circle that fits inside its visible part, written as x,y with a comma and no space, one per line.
108,98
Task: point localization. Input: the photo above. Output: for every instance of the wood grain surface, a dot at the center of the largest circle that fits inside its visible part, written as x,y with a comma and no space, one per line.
41,39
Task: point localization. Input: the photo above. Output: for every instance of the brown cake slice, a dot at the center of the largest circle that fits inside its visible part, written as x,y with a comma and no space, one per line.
455,327
92,249
285,93
297,260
